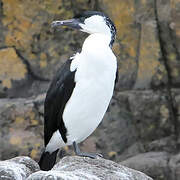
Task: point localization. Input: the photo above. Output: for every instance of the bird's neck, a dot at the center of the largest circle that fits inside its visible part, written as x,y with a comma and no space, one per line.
97,40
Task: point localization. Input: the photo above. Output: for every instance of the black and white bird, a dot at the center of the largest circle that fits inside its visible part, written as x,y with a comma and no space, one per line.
80,92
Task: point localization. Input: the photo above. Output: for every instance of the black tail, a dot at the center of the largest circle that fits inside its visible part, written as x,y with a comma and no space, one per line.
47,160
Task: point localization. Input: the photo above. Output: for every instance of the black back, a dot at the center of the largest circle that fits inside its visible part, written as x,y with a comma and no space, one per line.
57,96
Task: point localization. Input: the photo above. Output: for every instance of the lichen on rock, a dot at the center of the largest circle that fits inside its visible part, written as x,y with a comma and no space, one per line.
11,67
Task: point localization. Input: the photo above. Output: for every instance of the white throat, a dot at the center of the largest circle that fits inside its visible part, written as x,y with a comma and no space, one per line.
95,48
97,41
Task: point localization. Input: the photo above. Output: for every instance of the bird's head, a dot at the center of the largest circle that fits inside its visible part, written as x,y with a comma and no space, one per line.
90,22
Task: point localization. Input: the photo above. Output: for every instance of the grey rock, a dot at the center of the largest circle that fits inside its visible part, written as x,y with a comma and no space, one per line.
151,163
167,144
136,122
167,19
73,167
174,165
21,127
18,168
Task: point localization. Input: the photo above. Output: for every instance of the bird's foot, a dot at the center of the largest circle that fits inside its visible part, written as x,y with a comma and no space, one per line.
85,154
90,155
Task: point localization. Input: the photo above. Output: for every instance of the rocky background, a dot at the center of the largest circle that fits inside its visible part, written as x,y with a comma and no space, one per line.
141,128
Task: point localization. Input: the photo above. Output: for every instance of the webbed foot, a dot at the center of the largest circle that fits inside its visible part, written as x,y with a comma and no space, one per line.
85,154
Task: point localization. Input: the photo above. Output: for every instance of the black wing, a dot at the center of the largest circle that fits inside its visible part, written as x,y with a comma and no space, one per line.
57,96
117,76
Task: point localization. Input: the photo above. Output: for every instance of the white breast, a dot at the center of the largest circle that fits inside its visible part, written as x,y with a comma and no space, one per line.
95,76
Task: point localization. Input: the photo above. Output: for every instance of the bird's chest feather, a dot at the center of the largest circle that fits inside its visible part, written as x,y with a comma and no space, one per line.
99,65
95,76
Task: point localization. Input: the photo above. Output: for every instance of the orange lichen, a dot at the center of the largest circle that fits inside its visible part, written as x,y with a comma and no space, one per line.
32,56
66,148
122,13
34,122
128,65
43,56
178,31
15,140
37,145
149,53
116,48
34,153
6,83
144,1
19,120
11,67
43,63
112,154
43,60
31,115
174,3
23,22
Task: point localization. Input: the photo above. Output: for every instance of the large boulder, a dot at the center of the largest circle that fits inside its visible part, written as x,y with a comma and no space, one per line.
73,167
154,164
26,38
158,165
18,168
21,127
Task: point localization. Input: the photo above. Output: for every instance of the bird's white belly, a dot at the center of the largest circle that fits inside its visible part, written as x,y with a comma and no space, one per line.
94,77
86,107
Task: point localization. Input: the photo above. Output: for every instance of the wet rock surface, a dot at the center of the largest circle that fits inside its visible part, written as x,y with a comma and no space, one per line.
143,119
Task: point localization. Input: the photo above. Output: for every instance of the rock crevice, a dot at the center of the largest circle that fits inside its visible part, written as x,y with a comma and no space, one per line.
164,54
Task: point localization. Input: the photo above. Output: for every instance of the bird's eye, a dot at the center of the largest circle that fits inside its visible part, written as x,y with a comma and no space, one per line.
82,19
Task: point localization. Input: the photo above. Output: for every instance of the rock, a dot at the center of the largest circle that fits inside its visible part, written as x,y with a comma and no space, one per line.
7,70
18,168
21,128
128,133
130,125
169,37
138,48
167,144
176,102
37,46
158,165
9,63
174,166
154,164
86,168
